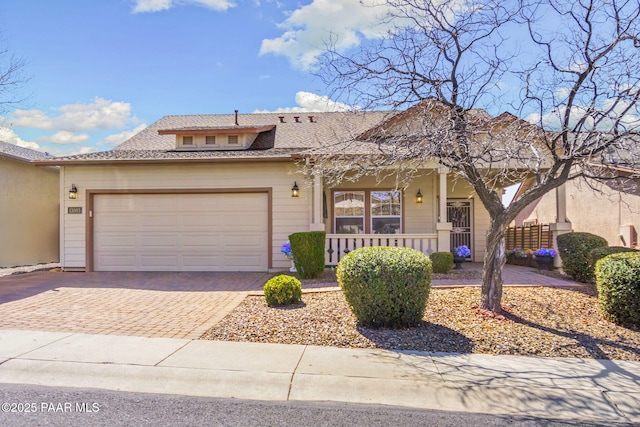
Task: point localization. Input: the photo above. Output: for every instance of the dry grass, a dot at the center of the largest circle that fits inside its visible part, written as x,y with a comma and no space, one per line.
538,321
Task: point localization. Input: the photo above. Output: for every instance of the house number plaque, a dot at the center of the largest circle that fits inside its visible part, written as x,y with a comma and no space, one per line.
74,210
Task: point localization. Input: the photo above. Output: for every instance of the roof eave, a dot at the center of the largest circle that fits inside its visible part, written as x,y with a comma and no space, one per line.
87,162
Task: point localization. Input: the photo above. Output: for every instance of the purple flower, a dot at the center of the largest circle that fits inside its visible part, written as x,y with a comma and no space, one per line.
545,252
463,251
286,249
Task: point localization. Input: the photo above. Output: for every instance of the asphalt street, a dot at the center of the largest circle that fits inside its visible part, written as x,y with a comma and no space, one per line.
28,405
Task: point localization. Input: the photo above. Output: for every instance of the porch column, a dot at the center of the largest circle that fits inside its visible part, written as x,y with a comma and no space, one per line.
562,224
442,226
317,219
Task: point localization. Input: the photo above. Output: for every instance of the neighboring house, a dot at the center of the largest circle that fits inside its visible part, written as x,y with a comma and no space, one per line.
29,208
215,192
610,209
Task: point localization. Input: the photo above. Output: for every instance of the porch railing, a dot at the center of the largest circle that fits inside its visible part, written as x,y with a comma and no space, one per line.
338,245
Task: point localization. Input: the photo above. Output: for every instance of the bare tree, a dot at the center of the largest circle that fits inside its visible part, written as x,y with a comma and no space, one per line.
12,78
573,68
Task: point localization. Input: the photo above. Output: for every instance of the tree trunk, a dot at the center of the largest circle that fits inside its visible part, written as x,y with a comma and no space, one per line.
494,260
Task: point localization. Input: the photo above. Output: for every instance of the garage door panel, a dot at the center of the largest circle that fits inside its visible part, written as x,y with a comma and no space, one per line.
117,221
169,262
118,241
159,243
126,262
192,261
189,243
181,232
157,222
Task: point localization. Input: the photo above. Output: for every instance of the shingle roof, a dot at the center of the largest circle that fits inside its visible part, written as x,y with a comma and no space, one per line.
326,127
20,153
293,133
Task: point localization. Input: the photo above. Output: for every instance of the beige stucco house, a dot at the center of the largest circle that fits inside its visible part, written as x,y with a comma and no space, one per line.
215,193
29,208
610,209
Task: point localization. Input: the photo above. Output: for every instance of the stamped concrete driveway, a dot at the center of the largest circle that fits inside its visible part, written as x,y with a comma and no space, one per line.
169,305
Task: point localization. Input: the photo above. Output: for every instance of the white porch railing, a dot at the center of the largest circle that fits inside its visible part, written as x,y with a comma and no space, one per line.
338,245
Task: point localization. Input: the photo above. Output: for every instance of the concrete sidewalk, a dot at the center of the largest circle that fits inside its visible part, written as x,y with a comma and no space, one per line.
575,389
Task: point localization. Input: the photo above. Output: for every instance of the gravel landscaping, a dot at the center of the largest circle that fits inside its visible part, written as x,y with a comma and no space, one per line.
538,321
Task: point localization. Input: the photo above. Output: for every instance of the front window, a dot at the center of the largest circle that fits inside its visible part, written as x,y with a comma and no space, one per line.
349,212
385,212
375,212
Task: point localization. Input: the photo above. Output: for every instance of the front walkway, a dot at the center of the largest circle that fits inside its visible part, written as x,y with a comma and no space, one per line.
512,275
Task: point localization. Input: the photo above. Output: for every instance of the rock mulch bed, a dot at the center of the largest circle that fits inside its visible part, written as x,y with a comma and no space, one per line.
538,321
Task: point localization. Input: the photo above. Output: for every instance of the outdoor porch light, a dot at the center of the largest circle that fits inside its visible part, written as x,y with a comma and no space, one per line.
73,193
418,197
295,191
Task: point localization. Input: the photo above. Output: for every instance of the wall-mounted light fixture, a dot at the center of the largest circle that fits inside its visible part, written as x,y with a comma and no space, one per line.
418,197
295,191
73,193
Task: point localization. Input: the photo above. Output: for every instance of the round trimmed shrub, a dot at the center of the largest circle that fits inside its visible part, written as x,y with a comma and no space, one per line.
574,250
442,262
618,284
386,286
282,290
598,253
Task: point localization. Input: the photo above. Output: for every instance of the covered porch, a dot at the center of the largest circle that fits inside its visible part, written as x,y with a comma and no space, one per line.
434,213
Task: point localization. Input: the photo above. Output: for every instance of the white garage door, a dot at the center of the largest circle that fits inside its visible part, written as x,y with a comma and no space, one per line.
181,232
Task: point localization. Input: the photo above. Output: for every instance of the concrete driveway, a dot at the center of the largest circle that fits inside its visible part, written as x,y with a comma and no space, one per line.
168,305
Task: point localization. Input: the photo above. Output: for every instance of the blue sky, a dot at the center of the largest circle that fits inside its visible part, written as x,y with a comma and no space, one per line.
101,70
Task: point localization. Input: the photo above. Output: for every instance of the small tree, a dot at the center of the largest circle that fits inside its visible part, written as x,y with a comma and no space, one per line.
578,84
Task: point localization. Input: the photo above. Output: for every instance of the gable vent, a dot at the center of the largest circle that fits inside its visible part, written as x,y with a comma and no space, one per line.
232,139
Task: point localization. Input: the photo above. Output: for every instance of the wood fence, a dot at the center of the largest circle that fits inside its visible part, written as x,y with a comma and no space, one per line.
529,237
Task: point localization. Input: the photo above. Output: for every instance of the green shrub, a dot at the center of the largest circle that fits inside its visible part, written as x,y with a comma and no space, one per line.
574,249
308,253
282,290
618,283
386,286
598,253
442,261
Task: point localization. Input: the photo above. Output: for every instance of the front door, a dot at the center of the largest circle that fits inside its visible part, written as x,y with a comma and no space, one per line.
460,215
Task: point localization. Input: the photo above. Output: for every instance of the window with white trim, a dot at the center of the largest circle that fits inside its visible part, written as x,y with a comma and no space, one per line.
385,212
210,140
371,212
187,140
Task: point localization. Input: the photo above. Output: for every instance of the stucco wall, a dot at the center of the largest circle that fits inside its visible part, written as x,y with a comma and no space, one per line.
28,214
603,214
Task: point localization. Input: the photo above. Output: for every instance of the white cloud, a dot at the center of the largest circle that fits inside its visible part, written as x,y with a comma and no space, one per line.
307,30
8,135
64,137
118,138
100,114
141,6
552,120
308,102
